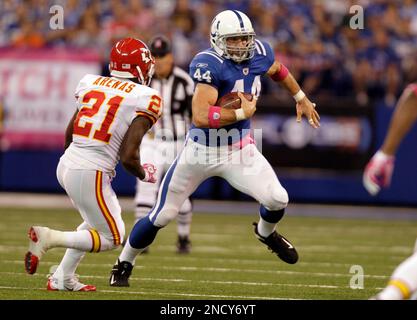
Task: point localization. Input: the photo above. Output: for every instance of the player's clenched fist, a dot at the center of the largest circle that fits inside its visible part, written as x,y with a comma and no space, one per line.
378,172
150,173
248,107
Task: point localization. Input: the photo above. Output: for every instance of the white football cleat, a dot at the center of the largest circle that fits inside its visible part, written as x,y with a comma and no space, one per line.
38,245
68,284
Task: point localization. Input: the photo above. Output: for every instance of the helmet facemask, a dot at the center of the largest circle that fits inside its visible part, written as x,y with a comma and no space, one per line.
146,79
237,53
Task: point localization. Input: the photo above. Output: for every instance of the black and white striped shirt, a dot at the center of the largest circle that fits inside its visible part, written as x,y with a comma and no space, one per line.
176,92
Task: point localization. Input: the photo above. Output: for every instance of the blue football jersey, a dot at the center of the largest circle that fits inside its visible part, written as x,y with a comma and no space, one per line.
228,76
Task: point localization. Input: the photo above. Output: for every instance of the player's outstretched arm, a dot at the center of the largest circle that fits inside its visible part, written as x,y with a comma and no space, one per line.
129,149
405,115
279,73
378,171
207,115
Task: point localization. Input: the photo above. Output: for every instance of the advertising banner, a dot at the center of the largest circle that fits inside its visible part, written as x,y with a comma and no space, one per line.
343,142
37,94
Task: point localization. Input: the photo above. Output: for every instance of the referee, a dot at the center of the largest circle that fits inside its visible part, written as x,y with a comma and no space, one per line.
163,143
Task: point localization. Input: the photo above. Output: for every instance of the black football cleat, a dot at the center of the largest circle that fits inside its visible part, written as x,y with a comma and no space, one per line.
183,245
279,245
120,274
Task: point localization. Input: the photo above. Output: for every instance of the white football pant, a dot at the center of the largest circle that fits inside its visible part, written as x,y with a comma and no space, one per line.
246,169
91,193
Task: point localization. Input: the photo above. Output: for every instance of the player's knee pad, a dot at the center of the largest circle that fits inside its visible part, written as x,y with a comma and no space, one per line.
277,199
165,216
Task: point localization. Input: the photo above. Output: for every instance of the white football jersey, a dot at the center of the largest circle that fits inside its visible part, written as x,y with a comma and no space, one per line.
106,108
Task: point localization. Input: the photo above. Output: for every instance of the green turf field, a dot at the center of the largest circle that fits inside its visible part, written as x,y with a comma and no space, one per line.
227,261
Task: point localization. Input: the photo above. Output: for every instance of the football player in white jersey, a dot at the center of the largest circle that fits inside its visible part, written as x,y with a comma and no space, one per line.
377,175
112,116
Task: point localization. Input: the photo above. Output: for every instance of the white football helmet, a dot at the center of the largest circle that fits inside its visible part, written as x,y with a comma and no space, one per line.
232,23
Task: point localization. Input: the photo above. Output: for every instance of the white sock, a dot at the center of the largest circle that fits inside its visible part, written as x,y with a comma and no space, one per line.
80,240
69,263
265,228
183,230
129,253
184,223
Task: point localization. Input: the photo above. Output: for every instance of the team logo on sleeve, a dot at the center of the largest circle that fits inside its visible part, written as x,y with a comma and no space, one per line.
201,65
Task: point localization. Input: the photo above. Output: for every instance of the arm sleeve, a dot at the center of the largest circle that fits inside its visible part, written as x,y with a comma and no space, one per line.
265,50
206,68
78,91
149,106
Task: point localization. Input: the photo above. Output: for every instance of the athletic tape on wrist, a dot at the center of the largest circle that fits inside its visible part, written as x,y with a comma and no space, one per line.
240,114
299,95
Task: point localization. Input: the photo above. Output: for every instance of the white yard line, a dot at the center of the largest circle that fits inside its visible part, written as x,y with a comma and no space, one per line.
245,283
174,294
222,270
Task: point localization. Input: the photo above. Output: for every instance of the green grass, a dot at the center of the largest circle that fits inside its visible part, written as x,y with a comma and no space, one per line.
227,262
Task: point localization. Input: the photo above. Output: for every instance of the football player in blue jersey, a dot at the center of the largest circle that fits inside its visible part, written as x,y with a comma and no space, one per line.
219,142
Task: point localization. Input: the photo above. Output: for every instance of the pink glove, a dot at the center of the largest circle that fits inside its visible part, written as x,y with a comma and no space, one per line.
150,173
378,172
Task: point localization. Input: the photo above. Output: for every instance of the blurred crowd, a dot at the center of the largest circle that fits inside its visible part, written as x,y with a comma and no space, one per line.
313,38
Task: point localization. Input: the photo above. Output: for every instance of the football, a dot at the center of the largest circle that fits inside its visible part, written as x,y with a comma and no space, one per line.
232,101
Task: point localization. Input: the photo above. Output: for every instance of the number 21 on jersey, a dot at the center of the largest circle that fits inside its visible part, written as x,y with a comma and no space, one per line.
103,133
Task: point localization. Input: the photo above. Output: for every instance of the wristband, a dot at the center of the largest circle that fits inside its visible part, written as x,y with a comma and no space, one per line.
300,95
380,155
240,114
214,116
281,74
